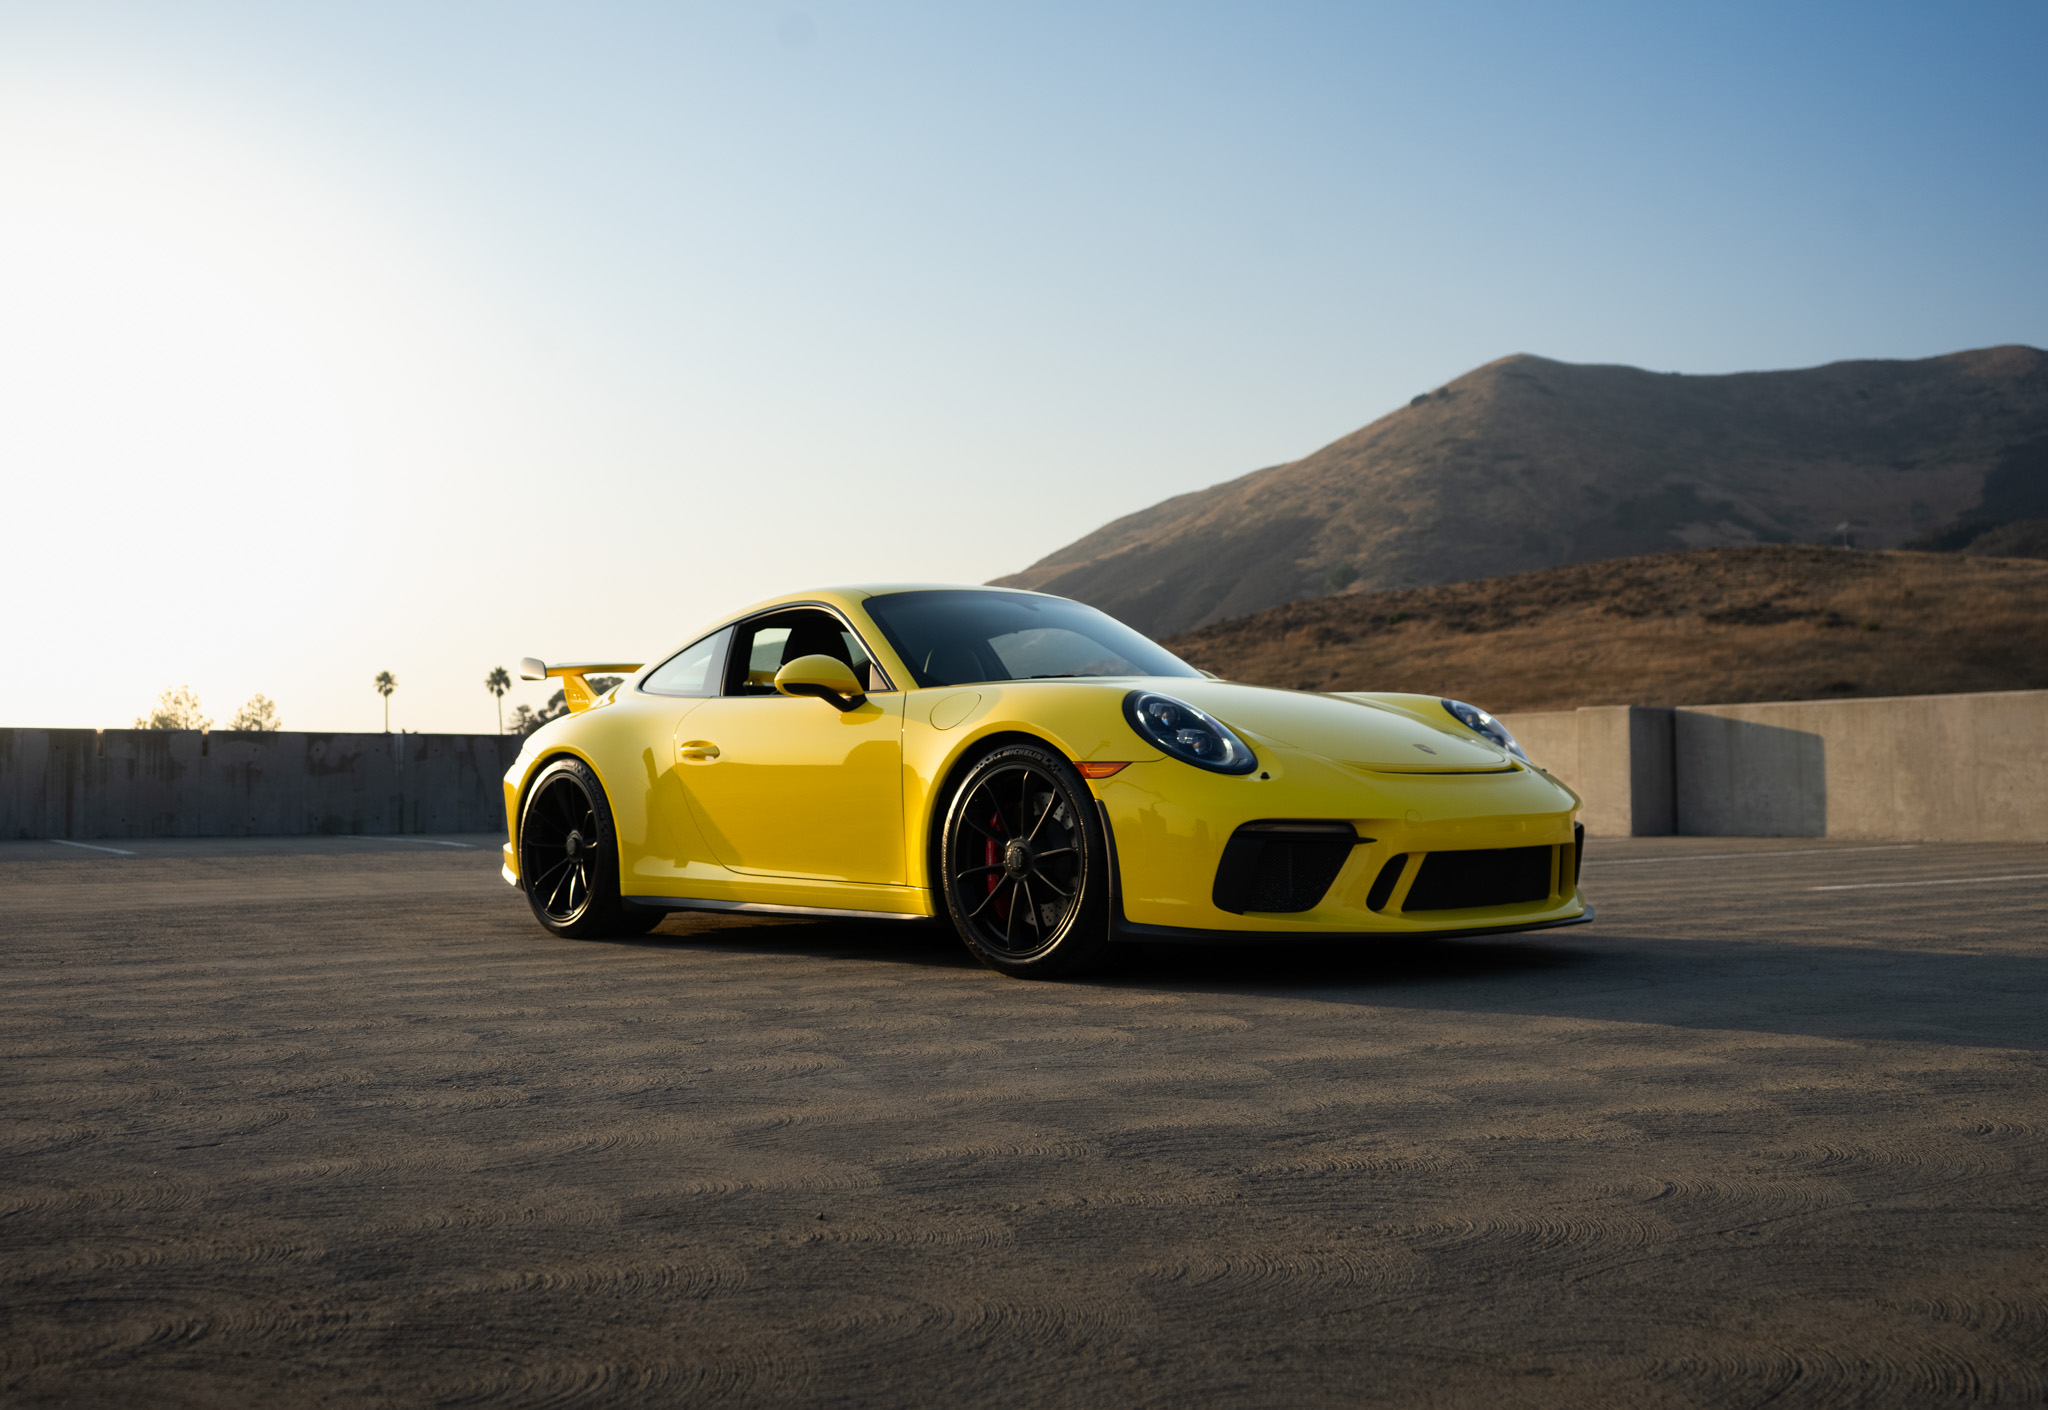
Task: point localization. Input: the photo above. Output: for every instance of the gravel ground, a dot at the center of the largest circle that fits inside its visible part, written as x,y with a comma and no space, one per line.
332,1121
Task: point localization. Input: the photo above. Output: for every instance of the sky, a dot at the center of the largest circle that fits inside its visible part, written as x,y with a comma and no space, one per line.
420,337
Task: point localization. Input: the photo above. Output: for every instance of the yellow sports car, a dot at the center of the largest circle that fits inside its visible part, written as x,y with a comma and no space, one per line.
1033,770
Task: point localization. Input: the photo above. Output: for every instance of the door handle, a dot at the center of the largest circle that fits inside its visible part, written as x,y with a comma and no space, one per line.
698,749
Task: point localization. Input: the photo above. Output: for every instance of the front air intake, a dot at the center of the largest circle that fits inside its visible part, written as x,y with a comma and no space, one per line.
1461,881
1282,866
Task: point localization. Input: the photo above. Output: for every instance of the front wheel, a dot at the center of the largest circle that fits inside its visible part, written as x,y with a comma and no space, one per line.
569,857
1025,866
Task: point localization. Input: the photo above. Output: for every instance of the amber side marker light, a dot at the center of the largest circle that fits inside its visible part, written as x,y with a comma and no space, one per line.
1098,770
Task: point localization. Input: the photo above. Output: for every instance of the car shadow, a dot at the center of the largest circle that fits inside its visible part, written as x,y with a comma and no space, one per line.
1641,976
1860,993
926,943
1248,968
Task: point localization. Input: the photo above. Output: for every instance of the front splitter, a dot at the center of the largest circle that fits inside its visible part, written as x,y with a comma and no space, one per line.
1131,932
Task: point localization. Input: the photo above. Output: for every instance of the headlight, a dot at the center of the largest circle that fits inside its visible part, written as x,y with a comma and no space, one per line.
1188,734
1479,722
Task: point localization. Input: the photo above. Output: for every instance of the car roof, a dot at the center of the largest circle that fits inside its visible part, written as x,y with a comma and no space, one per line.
846,596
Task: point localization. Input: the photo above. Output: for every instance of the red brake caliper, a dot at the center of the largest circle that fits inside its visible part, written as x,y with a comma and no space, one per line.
994,858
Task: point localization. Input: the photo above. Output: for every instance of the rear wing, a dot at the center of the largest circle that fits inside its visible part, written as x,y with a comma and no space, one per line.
575,690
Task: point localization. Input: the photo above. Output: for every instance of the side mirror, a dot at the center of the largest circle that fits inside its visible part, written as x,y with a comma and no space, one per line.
826,677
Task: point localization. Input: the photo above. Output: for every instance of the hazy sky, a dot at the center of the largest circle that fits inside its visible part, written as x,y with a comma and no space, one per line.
349,337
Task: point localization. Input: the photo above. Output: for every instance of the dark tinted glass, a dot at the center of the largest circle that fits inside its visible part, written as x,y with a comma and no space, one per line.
961,636
767,644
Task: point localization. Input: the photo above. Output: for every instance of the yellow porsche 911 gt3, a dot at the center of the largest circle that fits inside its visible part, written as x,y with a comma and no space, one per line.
1034,771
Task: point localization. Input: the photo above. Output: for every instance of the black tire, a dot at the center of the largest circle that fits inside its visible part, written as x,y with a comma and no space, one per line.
1024,865
569,857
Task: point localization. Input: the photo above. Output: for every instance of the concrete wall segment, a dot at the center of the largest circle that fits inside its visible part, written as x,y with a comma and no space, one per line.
1917,768
1927,768
82,784
1738,777
1618,758
1961,768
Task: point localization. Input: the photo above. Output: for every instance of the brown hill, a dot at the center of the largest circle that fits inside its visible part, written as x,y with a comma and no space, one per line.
1714,626
1527,463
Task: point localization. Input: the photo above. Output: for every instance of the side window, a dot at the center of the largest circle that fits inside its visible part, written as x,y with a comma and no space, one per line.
765,645
691,671
763,658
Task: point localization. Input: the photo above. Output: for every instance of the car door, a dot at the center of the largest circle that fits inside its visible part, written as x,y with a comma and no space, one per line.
791,785
689,679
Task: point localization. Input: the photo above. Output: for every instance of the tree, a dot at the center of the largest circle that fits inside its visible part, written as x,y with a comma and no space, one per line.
175,709
497,683
259,714
386,683
526,721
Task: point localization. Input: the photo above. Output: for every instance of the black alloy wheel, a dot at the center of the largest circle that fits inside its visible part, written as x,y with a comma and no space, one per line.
1025,865
569,859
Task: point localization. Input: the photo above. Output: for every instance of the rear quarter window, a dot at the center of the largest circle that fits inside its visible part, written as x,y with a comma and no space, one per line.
695,670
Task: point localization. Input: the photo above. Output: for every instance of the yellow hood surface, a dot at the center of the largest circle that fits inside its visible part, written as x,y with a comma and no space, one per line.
1350,731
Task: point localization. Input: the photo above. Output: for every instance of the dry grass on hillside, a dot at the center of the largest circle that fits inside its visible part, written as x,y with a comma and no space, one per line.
1528,463
1711,626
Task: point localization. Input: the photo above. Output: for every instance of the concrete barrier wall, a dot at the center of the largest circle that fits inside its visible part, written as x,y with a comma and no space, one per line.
1918,768
82,783
1606,755
1966,768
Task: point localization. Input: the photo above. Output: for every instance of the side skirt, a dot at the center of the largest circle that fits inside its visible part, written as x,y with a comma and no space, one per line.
687,903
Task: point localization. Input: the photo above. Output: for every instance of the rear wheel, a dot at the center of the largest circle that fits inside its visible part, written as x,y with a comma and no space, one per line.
1025,865
569,857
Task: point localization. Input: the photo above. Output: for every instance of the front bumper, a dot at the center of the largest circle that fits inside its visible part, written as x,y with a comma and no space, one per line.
1169,824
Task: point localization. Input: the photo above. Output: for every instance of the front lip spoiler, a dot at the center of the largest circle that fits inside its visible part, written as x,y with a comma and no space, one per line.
1131,932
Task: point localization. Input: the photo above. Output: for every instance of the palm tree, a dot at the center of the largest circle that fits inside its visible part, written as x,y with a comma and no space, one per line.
497,683
386,683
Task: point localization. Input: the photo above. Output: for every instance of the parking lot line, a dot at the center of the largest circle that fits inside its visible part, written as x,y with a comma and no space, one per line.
1944,881
423,841
62,842
1727,856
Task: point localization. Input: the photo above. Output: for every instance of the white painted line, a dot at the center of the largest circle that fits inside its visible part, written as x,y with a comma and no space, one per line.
423,841
88,846
1725,856
1945,881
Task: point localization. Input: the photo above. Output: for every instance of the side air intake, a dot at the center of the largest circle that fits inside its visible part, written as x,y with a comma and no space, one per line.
1282,866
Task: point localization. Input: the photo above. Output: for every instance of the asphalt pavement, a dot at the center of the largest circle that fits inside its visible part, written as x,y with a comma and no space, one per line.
333,1121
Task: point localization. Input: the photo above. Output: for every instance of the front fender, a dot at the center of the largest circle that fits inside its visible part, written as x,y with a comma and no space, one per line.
947,726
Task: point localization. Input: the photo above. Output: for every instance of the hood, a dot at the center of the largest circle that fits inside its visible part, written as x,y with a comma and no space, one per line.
1350,731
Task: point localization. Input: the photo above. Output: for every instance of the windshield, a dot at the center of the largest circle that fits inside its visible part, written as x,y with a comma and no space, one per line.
960,636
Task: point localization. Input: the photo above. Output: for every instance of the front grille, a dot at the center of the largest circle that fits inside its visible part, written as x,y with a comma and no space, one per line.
1281,866
1457,881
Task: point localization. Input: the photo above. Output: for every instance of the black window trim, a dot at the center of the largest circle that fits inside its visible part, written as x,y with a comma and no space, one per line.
724,657
739,623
